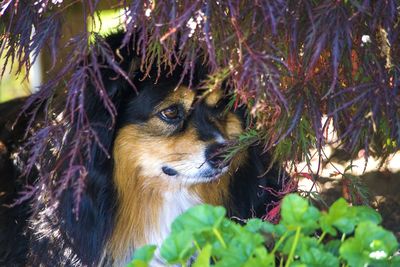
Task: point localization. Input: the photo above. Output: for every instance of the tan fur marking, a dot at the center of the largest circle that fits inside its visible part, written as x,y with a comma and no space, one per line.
138,197
181,95
233,126
212,97
139,184
3,148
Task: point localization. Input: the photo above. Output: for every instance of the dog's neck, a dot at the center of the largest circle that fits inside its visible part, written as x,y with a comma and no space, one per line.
147,209
174,204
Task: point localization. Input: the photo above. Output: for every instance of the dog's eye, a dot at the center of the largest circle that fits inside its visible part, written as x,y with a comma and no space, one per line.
171,114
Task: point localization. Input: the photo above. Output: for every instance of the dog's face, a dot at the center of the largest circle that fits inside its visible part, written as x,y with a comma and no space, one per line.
175,136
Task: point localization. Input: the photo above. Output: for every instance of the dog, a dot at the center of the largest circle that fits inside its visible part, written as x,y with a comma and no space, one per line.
165,154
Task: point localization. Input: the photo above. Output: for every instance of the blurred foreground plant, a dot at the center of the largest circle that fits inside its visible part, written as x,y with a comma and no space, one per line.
343,236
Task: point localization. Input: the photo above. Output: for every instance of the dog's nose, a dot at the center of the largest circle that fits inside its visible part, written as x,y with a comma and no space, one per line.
215,156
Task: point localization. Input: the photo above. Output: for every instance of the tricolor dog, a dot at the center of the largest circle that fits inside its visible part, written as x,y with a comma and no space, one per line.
166,153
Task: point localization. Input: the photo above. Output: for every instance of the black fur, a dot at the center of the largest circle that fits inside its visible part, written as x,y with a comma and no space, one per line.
81,241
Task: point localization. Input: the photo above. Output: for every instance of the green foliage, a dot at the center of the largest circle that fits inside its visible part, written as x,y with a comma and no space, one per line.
371,245
345,219
297,213
343,236
143,256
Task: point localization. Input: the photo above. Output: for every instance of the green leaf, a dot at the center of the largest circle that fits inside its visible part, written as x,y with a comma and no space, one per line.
256,225
316,256
296,212
143,256
352,251
280,229
394,261
287,245
178,247
340,217
297,264
228,229
333,247
310,252
261,258
240,249
371,244
365,213
203,259
305,243
199,218
344,217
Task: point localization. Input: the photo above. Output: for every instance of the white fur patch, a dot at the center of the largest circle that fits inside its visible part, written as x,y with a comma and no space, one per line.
174,204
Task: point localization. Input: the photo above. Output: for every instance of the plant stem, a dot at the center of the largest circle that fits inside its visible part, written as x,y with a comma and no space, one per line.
281,262
294,245
343,237
199,250
197,245
218,235
280,241
321,237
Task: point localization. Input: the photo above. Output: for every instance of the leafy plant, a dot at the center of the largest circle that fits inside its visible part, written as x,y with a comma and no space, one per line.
342,236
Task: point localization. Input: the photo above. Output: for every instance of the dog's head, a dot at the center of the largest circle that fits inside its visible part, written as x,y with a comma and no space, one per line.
176,135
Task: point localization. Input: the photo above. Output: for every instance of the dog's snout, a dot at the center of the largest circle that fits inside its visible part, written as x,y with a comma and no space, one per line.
215,155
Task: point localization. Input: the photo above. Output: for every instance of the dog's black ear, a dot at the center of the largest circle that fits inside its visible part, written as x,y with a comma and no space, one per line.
13,242
85,233
248,188
13,220
90,232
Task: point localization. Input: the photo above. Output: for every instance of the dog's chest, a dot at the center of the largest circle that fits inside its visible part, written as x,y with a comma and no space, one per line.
174,204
